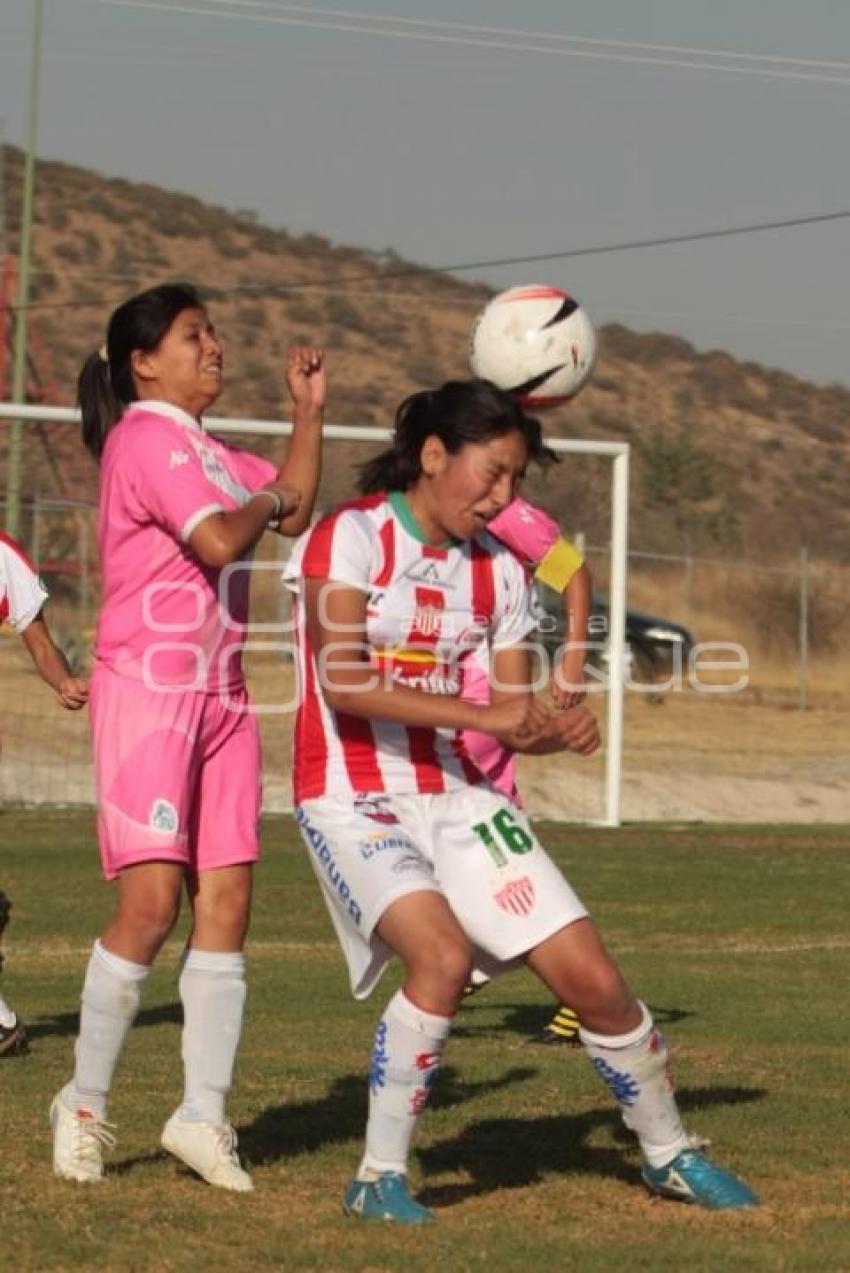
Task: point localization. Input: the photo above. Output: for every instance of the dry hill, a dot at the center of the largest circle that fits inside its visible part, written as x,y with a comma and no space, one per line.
729,456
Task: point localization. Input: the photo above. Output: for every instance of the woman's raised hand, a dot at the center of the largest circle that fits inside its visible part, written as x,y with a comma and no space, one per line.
305,377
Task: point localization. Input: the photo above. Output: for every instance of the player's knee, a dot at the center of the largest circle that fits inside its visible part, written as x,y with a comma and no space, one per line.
605,992
224,914
151,917
449,961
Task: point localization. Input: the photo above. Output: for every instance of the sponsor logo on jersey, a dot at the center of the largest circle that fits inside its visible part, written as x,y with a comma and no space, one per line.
178,458
327,861
163,817
436,682
517,897
429,574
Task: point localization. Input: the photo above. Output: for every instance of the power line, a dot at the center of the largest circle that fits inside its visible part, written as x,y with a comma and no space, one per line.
315,11
518,43
410,271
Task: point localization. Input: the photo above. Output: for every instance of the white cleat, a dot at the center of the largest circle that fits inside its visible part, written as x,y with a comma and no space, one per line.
79,1139
209,1149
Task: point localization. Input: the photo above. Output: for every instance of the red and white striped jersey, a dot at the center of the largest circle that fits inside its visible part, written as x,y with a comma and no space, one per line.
22,594
427,609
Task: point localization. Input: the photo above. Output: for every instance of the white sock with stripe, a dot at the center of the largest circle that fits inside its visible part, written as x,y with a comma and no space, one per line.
634,1068
212,989
110,1000
405,1061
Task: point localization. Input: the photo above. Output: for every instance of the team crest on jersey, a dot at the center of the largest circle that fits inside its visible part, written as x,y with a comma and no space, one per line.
163,817
517,897
426,619
214,470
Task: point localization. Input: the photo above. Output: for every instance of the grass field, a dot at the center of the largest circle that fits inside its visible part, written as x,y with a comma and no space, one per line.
737,937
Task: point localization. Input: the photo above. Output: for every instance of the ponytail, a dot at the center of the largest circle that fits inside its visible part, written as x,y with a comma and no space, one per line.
397,468
99,406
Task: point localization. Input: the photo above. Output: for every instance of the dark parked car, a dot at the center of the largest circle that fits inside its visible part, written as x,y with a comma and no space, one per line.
654,645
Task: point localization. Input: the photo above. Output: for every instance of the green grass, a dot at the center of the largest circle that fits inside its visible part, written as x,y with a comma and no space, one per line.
735,936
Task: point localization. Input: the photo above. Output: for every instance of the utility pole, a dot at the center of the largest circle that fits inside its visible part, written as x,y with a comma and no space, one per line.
19,366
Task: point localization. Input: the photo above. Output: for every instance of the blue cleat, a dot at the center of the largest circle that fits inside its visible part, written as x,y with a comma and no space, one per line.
691,1177
386,1198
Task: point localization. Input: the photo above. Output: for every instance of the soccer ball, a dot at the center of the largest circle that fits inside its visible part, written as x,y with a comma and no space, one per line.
535,342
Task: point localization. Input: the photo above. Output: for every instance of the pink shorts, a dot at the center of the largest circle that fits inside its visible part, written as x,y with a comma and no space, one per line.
178,776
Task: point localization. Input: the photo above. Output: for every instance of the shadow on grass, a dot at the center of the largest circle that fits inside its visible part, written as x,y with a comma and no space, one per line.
529,1019
497,1153
284,1131
509,1153
66,1023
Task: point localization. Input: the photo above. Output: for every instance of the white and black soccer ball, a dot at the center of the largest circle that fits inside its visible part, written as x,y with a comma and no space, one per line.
536,342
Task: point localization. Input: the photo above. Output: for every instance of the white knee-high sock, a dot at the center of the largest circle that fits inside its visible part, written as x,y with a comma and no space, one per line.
212,988
405,1061
7,1015
634,1068
110,1000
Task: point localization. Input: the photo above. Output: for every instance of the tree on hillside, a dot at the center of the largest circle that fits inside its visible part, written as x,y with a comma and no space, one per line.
686,492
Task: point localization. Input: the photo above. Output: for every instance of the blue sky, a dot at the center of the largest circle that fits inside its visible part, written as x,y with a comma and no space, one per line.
470,145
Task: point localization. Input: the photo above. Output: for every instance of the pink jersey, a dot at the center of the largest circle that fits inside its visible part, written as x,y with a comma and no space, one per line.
165,617
427,608
532,536
21,592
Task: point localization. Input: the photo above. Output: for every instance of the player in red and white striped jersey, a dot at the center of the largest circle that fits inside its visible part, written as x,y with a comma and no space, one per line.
427,607
22,598
416,854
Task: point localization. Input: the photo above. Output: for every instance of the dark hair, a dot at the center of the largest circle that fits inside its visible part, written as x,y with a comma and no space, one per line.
105,387
459,412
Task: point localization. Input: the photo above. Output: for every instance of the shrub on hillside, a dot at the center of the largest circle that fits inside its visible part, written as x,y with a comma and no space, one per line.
69,250
340,311
232,248
306,312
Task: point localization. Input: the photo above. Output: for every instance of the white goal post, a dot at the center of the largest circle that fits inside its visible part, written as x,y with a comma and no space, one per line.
617,452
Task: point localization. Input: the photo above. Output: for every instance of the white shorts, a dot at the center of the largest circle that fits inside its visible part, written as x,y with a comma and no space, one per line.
472,845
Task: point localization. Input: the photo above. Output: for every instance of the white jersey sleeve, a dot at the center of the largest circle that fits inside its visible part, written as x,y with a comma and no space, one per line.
341,548
22,594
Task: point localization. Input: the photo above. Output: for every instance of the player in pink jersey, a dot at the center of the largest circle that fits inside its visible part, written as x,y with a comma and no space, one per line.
176,747
416,854
536,540
22,598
